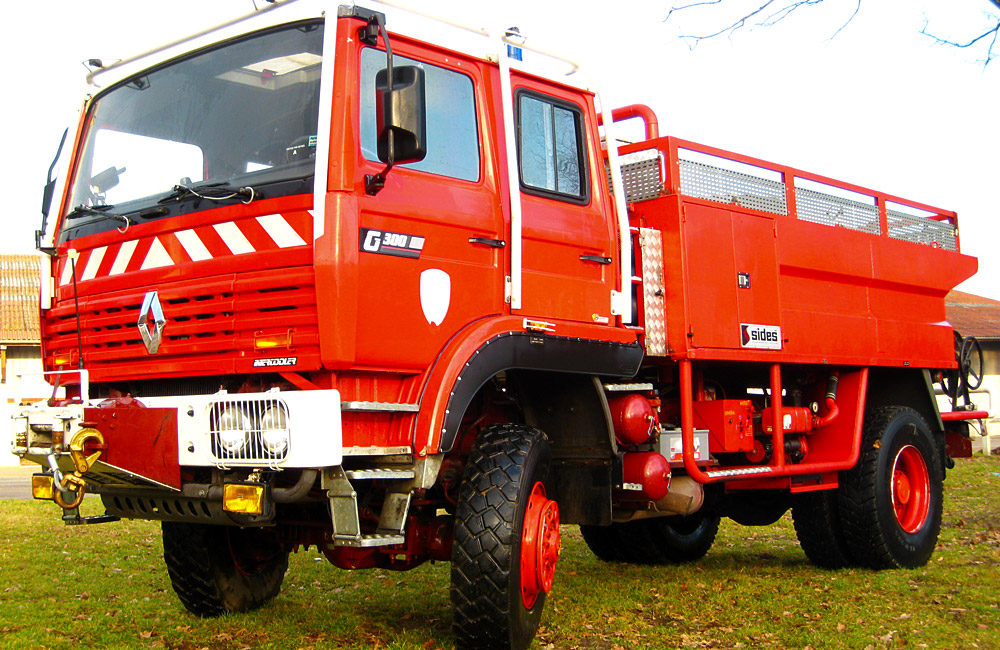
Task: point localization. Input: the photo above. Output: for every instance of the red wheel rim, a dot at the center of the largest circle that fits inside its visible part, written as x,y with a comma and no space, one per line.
910,487
540,545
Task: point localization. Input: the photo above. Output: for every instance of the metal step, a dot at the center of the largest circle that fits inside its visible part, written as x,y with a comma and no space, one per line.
366,541
375,473
744,471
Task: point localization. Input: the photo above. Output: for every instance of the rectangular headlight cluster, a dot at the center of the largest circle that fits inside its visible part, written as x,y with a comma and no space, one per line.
250,431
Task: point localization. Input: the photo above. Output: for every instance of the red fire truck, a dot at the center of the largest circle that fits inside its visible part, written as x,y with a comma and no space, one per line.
324,276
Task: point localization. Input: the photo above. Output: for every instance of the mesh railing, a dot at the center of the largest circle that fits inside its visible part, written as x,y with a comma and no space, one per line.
713,183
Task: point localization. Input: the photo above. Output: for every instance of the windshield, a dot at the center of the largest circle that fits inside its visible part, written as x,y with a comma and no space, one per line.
240,115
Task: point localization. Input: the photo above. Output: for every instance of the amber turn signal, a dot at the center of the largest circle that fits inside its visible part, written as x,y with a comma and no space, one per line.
42,486
243,498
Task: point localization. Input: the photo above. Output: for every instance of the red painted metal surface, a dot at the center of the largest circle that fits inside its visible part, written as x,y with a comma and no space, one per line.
958,416
647,469
540,545
633,418
139,440
840,296
645,113
838,449
910,489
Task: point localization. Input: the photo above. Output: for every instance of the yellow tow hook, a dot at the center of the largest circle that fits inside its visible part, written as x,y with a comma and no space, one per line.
74,483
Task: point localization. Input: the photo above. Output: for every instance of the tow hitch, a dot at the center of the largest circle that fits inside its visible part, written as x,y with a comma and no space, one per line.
68,490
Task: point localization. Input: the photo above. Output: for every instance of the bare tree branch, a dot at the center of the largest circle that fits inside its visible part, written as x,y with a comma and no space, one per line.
990,33
776,12
772,12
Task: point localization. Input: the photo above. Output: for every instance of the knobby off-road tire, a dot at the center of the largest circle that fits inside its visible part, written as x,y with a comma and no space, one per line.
662,540
220,569
891,501
816,516
506,462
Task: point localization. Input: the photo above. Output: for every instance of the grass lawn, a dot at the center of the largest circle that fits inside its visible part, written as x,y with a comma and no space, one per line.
106,586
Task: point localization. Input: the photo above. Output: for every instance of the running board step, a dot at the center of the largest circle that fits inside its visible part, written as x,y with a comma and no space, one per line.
744,471
367,541
383,473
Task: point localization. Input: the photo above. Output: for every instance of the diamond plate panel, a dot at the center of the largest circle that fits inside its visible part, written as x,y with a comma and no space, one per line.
653,292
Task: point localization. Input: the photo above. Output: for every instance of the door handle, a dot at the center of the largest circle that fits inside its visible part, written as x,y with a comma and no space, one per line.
600,259
486,241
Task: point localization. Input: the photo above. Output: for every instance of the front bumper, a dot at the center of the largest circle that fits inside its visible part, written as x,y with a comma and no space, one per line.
127,444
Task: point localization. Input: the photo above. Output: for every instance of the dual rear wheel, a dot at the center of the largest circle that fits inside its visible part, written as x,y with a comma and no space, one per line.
887,511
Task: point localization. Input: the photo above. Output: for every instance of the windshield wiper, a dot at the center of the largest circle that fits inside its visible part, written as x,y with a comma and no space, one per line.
211,192
102,215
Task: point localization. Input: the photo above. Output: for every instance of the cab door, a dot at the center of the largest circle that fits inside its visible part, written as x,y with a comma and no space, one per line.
569,248
431,243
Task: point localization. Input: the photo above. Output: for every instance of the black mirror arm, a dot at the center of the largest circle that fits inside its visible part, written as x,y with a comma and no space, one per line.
375,183
47,199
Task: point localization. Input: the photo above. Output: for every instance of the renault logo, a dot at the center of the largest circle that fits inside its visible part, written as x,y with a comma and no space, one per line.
151,322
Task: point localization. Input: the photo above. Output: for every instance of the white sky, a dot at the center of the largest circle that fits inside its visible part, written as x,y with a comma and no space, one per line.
879,105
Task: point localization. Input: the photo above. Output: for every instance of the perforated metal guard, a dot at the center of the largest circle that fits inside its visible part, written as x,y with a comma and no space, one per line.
641,175
653,292
920,230
818,207
725,186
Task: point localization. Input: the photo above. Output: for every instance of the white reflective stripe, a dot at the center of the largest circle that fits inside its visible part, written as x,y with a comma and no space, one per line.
156,257
67,274
124,257
193,245
280,231
233,238
94,263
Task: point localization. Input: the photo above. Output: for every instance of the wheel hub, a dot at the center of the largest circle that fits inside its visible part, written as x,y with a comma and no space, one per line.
910,489
540,545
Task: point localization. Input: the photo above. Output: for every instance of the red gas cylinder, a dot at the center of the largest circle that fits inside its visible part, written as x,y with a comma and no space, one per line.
645,476
634,419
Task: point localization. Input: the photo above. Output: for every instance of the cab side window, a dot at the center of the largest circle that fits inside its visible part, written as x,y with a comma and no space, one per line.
452,135
551,147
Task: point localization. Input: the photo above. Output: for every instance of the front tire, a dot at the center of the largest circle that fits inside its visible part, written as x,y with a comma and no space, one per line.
219,569
891,502
506,540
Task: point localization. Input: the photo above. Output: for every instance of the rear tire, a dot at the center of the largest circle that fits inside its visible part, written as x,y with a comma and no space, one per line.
497,600
686,539
816,516
660,540
604,542
891,501
219,569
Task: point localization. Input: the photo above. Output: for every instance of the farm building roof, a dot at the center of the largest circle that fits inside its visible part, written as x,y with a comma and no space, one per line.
19,278
973,315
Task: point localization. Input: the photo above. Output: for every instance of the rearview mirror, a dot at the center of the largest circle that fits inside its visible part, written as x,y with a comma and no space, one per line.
401,117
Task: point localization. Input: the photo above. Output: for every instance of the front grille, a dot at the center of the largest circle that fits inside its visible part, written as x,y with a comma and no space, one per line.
211,325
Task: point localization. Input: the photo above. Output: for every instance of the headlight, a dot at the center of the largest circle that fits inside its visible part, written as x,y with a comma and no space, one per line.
232,430
274,430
